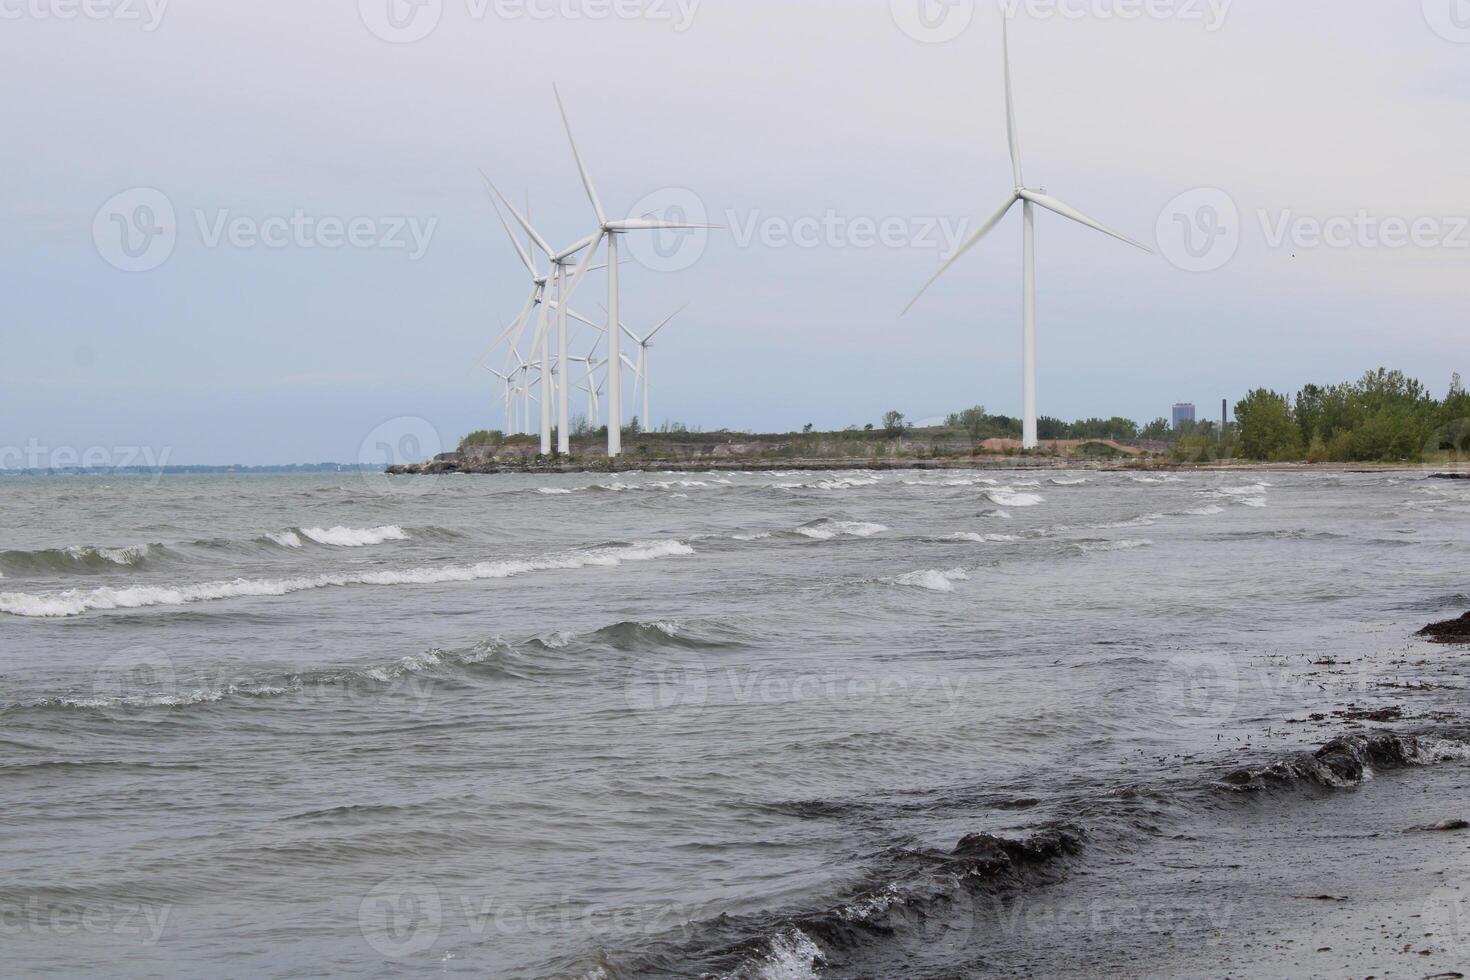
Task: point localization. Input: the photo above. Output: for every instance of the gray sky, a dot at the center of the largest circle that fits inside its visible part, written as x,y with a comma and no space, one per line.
838,147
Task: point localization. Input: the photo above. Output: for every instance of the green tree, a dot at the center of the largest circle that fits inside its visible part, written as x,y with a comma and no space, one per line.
894,424
972,421
1267,429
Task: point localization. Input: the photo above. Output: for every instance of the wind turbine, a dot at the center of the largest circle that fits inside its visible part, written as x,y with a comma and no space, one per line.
644,345
557,286
610,230
1030,200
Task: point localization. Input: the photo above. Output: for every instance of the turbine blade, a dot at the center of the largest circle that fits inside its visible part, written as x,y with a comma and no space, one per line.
1011,134
525,225
516,242
631,366
969,244
582,269
582,319
669,319
1067,211
656,224
581,167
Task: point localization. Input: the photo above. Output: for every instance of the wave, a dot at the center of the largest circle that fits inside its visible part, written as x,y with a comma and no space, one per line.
347,537
982,538
537,658
1104,547
1003,497
84,559
80,559
933,579
75,603
1248,495
1061,482
913,899
827,529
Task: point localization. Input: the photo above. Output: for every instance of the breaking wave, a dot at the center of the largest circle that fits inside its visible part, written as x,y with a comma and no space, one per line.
347,537
933,580
75,602
826,529
1003,497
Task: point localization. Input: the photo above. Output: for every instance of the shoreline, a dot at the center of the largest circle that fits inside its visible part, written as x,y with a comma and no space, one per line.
444,466
460,467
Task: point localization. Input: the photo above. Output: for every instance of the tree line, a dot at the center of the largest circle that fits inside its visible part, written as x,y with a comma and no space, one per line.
1384,416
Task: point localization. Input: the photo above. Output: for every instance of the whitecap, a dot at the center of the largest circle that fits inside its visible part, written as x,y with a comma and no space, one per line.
827,530
347,537
1010,498
75,602
933,579
1103,547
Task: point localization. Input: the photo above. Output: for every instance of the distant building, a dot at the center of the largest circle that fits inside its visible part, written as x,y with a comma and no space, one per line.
1182,413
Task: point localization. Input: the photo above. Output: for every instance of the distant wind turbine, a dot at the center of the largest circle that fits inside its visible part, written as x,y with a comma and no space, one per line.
1030,200
541,293
644,345
610,230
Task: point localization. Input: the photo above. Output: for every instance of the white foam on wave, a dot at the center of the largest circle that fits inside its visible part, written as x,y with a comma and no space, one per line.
793,956
118,556
286,539
827,530
1003,497
845,483
350,537
74,602
954,481
1104,547
982,538
555,491
760,536
1209,511
933,579
1060,482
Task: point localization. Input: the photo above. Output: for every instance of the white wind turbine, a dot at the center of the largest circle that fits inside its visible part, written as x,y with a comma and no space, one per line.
1030,199
610,230
644,345
560,263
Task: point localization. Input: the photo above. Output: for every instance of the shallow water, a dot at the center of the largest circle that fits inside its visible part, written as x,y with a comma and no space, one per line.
525,726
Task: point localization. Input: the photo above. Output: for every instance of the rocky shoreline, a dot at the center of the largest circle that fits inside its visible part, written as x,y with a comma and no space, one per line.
455,463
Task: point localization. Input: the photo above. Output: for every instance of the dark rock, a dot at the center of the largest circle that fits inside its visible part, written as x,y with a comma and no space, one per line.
1450,631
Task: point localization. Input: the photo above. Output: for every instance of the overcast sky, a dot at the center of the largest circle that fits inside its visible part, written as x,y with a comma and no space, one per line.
841,142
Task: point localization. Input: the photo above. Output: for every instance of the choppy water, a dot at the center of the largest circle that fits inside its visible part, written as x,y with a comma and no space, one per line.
660,723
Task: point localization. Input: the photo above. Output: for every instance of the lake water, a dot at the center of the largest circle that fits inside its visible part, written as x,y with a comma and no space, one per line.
661,724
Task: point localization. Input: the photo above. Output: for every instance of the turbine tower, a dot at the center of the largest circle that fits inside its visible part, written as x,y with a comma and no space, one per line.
1030,200
610,230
